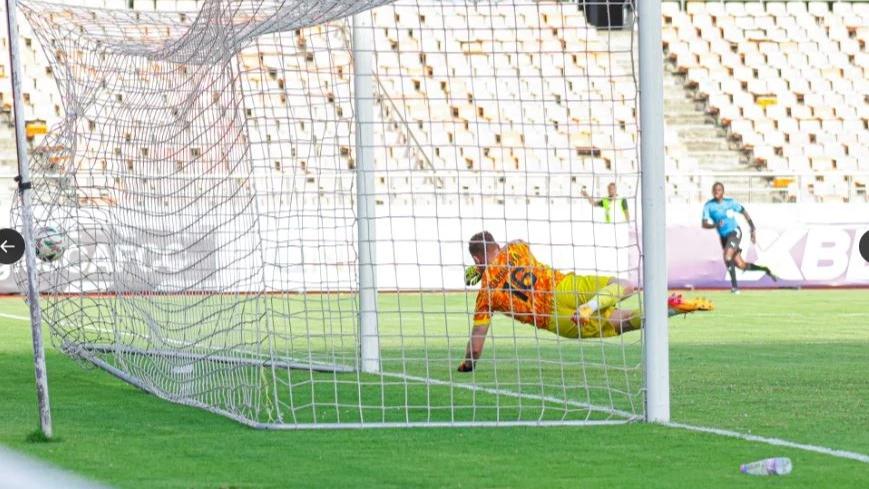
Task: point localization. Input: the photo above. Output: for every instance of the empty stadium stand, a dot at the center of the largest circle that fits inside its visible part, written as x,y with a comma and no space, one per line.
787,81
775,88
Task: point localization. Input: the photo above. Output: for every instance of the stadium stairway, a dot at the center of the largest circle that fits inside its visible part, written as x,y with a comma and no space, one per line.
697,144
694,142
703,141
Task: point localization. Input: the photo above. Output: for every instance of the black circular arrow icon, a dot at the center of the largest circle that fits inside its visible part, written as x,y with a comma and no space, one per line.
864,246
11,246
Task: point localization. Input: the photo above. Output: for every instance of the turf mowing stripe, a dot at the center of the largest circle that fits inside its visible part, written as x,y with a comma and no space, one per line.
702,429
628,416
773,441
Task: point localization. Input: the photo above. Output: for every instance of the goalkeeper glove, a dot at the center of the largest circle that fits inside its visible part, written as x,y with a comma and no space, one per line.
466,366
473,275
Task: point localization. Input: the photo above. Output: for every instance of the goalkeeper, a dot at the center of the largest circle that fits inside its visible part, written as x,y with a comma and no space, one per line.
569,305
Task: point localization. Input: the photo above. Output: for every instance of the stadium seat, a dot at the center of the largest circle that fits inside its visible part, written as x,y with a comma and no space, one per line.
847,164
774,41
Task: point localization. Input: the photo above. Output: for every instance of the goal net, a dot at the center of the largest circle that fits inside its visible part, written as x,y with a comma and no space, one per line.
268,203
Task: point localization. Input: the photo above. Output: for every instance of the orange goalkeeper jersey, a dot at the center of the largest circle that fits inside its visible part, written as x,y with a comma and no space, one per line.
518,285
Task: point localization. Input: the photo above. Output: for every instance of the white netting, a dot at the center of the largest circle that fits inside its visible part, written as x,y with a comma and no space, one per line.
206,173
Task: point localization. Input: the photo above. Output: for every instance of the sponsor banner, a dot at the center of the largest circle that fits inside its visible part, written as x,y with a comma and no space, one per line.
419,248
134,261
813,256
424,248
806,245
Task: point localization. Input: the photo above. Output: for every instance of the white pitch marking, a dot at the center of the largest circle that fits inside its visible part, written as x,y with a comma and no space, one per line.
791,315
10,316
773,441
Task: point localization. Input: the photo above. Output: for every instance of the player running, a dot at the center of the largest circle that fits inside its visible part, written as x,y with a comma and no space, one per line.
569,305
719,213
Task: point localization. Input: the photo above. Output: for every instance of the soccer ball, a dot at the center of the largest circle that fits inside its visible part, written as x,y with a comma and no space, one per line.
50,244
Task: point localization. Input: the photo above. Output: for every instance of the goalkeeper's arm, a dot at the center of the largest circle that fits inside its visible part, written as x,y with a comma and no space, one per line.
474,348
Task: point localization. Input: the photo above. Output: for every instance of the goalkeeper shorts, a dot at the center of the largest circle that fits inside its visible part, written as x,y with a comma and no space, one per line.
570,293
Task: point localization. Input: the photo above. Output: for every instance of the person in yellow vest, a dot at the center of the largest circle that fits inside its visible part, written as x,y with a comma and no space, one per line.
610,203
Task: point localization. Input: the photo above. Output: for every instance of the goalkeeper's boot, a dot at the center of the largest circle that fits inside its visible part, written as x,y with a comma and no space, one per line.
680,305
582,315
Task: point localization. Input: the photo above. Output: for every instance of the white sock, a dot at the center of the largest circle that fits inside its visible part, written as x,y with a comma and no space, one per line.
592,304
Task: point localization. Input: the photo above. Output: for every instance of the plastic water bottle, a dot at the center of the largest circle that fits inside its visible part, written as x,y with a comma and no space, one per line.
768,466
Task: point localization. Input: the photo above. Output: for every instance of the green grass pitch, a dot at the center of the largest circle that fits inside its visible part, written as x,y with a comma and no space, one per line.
790,365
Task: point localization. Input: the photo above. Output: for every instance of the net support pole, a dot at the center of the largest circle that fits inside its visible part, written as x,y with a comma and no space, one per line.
363,99
27,223
656,356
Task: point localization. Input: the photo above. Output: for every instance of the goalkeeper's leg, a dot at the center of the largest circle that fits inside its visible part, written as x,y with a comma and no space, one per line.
624,320
615,291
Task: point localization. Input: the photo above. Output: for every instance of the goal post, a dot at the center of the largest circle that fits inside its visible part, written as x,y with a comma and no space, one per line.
268,206
26,216
363,98
654,203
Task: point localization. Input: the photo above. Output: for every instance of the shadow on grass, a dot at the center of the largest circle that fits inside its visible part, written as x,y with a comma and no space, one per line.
38,436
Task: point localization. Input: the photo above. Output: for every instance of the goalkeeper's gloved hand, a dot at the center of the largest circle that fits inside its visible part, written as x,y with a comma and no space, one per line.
466,366
473,275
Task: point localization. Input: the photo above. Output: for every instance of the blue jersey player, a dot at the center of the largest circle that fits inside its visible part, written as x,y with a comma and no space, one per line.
719,213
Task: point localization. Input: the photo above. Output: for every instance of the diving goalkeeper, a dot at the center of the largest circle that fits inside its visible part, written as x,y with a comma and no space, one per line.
569,305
